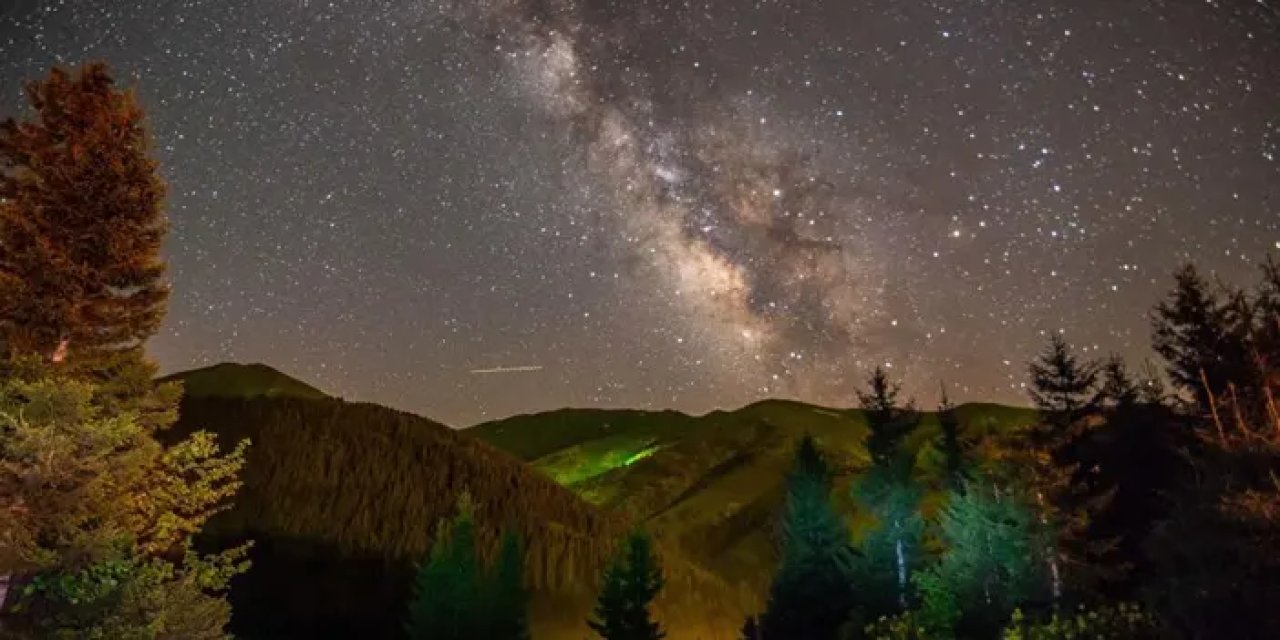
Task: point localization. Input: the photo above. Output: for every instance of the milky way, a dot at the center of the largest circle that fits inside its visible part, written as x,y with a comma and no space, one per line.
688,205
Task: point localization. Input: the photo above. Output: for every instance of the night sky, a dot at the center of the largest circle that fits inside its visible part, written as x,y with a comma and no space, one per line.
488,207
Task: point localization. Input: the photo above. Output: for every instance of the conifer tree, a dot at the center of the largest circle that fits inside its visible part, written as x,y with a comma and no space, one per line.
1062,386
99,514
81,221
888,422
81,227
812,593
629,587
509,601
993,562
1190,331
953,448
889,551
447,592
1118,389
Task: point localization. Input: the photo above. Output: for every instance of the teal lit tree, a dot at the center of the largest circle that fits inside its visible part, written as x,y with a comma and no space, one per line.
812,593
992,564
890,551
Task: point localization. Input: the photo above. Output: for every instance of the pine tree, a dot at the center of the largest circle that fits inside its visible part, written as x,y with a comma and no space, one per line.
629,587
812,593
1191,333
98,538
888,422
993,562
447,592
1062,386
1058,463
891,551
949,440
508,602
81,220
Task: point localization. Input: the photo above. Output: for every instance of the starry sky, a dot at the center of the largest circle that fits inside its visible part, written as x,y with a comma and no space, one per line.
471,209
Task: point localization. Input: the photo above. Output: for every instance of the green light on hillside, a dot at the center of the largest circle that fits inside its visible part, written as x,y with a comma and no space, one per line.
639,456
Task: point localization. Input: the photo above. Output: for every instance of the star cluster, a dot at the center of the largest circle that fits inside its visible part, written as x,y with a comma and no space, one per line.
476,208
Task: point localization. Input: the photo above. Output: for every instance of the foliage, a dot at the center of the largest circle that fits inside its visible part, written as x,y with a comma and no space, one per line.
992,562
1204,337
904,626
448,591
1118,622
888,422
954,448
99,517
892,551
82,223
813,590
508,613
629,586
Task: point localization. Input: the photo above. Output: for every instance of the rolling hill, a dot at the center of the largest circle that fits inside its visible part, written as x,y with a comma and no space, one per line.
713,484
341,500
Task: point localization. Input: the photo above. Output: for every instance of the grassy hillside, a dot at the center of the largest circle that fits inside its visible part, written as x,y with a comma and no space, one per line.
713,484
231,380
341,500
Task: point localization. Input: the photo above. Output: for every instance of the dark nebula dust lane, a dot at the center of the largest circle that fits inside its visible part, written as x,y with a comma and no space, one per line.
689,205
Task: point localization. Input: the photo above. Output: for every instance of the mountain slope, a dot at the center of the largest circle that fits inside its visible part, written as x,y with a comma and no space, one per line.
232,380
342,499
713,484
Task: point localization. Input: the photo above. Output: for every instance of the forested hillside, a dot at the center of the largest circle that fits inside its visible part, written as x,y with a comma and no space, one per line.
342,499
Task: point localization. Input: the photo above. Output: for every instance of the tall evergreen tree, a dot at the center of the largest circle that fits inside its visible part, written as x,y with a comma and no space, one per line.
992,563
81,224
950,442
447,592
891,551
81,218
100,515
1062,385
812,593
1056,465
888,422
508,600
629,587
1191,332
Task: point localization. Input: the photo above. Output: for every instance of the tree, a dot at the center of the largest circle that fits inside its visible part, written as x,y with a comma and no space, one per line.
447,598
891,551
1118,389
812,593
1057,463
630,585
1190,330
993,562
888,422
81,221
1062,386
508,602
99,519
952,445
98,514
